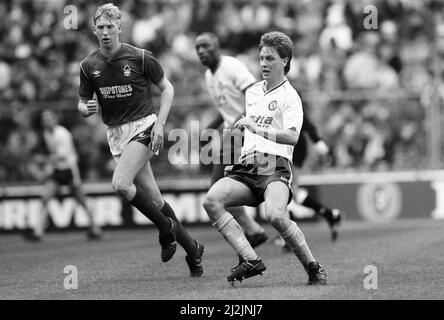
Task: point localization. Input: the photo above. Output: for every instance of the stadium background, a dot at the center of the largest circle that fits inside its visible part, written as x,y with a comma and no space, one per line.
375,94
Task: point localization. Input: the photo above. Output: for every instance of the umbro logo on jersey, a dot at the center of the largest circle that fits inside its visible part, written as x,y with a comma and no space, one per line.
96,74
126,71
143,135
273,105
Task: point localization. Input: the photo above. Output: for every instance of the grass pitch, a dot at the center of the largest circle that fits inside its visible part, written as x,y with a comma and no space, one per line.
408,255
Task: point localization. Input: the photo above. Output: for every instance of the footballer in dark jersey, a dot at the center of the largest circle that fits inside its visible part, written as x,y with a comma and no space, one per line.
121,83
119,75
301,196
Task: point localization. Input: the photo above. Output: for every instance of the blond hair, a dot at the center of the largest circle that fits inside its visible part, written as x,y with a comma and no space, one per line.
109,11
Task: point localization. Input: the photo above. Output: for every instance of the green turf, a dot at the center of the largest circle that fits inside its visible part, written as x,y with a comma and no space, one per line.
409,255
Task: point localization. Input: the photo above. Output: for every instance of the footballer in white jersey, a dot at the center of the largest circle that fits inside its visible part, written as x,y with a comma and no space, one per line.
278,108
57,152
60,144
227,78
226,87
272,126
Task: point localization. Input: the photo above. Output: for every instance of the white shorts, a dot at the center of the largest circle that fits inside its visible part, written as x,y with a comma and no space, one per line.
120,135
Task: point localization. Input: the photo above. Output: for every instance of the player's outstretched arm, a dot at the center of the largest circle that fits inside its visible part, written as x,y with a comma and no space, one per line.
216,122
318,143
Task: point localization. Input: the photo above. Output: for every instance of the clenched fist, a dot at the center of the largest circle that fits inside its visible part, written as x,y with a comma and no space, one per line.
92,107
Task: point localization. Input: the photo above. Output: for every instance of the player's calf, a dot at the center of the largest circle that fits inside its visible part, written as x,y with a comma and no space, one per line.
257,239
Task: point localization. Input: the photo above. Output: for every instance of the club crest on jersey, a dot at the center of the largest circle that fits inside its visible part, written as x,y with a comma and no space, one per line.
126,71
96,74
273,105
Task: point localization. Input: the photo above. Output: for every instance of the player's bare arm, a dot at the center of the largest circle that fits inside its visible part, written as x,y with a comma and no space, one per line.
216,122
284,136
166,100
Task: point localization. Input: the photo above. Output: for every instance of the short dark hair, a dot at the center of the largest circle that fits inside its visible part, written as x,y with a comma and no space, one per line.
213,37
281,43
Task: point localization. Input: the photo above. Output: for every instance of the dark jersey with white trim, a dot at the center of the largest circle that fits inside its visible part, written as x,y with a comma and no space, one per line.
121,83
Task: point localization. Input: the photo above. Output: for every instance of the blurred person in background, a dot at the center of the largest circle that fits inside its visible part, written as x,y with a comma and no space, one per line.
57,157
227,79
120,75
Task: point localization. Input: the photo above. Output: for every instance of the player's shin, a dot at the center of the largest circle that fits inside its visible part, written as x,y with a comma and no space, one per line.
250,226
42,221
182,236
295,239
144,204
233,234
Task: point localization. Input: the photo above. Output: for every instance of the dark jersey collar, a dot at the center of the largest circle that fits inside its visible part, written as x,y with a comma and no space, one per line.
113,55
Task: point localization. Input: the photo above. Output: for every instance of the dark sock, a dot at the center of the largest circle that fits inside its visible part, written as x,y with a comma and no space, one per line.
182,236
313,204
144,205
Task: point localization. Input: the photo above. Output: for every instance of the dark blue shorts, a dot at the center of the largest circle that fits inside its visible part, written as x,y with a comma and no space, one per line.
258,172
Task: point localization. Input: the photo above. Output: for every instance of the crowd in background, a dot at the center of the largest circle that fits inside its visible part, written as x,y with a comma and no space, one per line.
366,85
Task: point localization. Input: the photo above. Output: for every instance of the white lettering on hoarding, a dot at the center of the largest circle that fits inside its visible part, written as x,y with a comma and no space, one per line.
14,214
108,211
21,214
438,212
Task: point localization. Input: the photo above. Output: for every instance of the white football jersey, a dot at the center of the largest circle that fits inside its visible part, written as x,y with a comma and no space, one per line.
225,87
60,143
279,108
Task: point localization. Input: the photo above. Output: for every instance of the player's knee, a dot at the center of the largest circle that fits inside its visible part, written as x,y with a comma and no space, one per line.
278,218
280,223
158,203
274,211
122,188
212,204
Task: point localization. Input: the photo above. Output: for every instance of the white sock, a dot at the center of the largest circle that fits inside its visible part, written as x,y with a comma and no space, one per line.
295,239
233,234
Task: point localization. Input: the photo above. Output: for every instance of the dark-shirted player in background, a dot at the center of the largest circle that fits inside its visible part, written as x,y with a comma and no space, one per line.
227,79
300,195
120,76
57,157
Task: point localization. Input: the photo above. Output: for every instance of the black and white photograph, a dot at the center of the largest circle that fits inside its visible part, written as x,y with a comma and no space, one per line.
221,154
